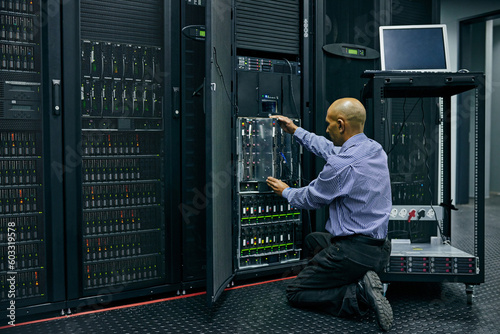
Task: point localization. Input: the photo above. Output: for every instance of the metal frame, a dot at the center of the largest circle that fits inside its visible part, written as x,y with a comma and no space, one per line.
385,86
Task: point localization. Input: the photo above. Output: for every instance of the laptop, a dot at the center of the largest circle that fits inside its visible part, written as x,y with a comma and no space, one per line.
414,48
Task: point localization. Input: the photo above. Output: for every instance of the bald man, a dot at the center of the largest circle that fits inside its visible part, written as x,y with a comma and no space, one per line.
341,275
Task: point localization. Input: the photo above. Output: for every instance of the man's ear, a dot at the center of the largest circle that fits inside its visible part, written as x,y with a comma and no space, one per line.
341,125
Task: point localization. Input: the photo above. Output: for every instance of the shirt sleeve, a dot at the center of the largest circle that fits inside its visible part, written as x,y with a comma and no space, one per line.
320,192
318,145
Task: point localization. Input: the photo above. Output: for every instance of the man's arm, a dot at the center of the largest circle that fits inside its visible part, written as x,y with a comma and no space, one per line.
318,145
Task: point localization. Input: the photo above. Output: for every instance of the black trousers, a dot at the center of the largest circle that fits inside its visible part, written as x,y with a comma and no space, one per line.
328,282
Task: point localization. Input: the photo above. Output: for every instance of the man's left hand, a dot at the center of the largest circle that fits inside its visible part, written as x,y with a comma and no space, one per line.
276,185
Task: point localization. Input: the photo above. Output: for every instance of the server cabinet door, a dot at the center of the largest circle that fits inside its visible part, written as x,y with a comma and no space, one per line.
218,147
192,118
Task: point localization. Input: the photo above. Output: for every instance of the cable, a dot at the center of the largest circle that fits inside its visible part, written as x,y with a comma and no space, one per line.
405,117
291,89
221,75
426,160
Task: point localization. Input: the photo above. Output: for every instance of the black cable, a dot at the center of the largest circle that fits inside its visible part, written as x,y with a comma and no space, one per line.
405,117
426,160
387,132
410,232
291,89
219,70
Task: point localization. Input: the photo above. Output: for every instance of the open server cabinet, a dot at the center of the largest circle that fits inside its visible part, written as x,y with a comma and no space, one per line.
415,131
256,67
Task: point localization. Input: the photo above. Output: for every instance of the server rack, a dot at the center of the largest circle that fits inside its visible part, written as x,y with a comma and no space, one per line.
88,172
421,220
91,156
120,196
31,226
268,67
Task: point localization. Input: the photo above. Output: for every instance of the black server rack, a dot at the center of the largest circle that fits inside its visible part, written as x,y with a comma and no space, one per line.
23,266
258,69
121,193
90,153
268,68
30,256
122,160
122,143
418,148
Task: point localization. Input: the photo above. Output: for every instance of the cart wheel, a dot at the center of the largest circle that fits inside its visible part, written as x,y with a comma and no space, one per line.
469,290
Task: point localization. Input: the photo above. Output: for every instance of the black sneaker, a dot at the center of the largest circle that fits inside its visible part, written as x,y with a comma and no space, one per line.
373,294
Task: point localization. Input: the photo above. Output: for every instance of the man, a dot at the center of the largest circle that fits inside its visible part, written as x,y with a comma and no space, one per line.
341,278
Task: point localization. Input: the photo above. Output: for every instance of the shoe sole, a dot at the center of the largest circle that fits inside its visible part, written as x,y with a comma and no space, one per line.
378,302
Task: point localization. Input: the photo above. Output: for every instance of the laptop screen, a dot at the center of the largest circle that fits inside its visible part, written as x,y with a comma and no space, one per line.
414,48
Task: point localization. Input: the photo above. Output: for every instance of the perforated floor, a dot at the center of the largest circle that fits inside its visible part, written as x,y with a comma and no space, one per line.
418,308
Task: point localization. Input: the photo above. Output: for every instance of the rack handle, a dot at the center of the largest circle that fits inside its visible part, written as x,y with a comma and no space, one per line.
56,97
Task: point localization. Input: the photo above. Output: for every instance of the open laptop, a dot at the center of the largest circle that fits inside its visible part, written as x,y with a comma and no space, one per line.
415,48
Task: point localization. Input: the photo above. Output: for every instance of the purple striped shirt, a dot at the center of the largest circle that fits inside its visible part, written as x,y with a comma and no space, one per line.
354,182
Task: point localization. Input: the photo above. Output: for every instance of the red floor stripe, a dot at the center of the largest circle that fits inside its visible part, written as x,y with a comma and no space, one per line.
259,283
106,309
140,304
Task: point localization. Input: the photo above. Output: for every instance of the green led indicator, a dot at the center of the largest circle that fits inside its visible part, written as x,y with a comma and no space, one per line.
352,51
202,33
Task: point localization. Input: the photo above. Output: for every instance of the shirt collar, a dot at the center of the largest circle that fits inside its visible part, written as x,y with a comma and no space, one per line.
353,141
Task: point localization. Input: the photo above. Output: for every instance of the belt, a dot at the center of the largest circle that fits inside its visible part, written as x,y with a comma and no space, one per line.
361,239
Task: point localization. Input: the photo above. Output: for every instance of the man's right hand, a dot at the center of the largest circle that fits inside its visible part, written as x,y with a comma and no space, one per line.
286,124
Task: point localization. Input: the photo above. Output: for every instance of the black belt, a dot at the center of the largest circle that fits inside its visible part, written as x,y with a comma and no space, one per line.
361,239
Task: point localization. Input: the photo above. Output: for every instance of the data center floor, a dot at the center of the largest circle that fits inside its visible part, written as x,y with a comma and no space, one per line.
262,308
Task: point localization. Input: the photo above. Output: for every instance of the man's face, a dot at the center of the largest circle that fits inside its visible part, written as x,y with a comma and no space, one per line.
333,127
